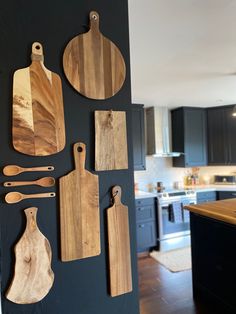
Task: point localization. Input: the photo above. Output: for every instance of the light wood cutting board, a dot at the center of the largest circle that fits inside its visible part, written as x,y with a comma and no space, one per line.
38,114
33,276
110,140
119,246
93,64
79,210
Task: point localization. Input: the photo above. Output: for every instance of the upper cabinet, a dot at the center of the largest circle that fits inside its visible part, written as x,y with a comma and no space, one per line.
139,150
221,136
189,136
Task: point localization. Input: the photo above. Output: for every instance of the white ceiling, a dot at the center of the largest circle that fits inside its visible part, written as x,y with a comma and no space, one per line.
183,52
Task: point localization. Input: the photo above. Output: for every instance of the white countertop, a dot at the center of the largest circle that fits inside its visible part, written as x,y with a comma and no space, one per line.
197,188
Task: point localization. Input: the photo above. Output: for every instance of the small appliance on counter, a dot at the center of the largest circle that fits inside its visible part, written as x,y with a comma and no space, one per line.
225,179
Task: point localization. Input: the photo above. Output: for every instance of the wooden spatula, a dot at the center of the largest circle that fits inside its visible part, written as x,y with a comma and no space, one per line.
33,276
79,210
38,114
119,246
93,64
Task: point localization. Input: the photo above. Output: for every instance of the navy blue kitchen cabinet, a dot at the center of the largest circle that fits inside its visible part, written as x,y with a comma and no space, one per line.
221,136
189,136
146,223
139,150
223,195
206,196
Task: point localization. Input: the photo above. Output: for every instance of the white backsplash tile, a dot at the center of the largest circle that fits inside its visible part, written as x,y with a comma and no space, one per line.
160,169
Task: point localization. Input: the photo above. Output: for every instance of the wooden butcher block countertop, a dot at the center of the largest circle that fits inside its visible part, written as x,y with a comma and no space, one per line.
221,210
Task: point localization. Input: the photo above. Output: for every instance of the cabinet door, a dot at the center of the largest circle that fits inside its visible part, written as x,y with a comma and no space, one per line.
195,137
146,235
139,151
217,142
230,122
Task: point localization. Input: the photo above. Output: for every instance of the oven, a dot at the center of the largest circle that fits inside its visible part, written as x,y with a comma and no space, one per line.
166,228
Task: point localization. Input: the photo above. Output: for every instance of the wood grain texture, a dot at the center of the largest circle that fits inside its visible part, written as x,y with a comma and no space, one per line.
110,140
33,276
79,210
221,210
93,64
119,246
38,114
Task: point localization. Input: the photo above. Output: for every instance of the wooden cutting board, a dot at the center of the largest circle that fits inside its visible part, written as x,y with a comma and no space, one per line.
33,276
119,246
110,140
79,210
93,64
38,114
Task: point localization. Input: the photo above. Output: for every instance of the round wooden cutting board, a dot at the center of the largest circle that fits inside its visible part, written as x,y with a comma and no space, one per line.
93,64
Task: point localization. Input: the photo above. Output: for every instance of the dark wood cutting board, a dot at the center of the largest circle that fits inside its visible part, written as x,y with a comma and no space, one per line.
33,276
38,113
93,64
119,246
79,210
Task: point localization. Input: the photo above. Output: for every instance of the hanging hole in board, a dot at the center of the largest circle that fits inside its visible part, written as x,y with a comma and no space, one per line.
37,47
8,183
94,16
52,194
80,149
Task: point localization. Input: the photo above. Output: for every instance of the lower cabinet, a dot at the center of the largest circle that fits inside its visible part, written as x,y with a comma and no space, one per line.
223,195
146,223
208,196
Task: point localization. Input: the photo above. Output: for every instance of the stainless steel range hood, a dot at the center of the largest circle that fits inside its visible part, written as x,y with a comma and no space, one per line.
158,132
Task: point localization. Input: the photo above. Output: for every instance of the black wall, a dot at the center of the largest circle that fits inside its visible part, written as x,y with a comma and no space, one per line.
80,286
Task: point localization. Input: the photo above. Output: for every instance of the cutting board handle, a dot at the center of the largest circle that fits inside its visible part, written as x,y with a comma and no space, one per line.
37,52
116,194
31,214
94,20
79,156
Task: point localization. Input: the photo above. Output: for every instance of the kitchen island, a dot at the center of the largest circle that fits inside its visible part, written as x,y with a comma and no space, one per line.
213,243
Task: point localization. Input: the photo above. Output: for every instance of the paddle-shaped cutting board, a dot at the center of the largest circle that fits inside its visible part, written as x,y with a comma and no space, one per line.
119,246
93,64
110,140
38,114
33,276
79,210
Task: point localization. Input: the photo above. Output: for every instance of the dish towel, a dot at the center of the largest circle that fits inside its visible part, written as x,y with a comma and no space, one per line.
185,215
175,212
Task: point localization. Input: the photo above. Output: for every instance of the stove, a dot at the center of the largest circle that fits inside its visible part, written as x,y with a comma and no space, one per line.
180,228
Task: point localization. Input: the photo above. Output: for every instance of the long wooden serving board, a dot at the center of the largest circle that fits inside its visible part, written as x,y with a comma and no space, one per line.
119,246
110,140
93,64
79,210
33,276
38,113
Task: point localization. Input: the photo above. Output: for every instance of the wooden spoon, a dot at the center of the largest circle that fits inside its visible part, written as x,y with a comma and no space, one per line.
44,182
13,170
15,197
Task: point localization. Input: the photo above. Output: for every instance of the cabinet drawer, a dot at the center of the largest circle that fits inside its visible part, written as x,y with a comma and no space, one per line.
145,213
146,235
144,201
226,195
203,197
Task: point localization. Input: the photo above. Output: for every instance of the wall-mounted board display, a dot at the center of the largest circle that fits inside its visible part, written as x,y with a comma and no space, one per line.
79,210
110,140
33,276
93,64
119,246
38,113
